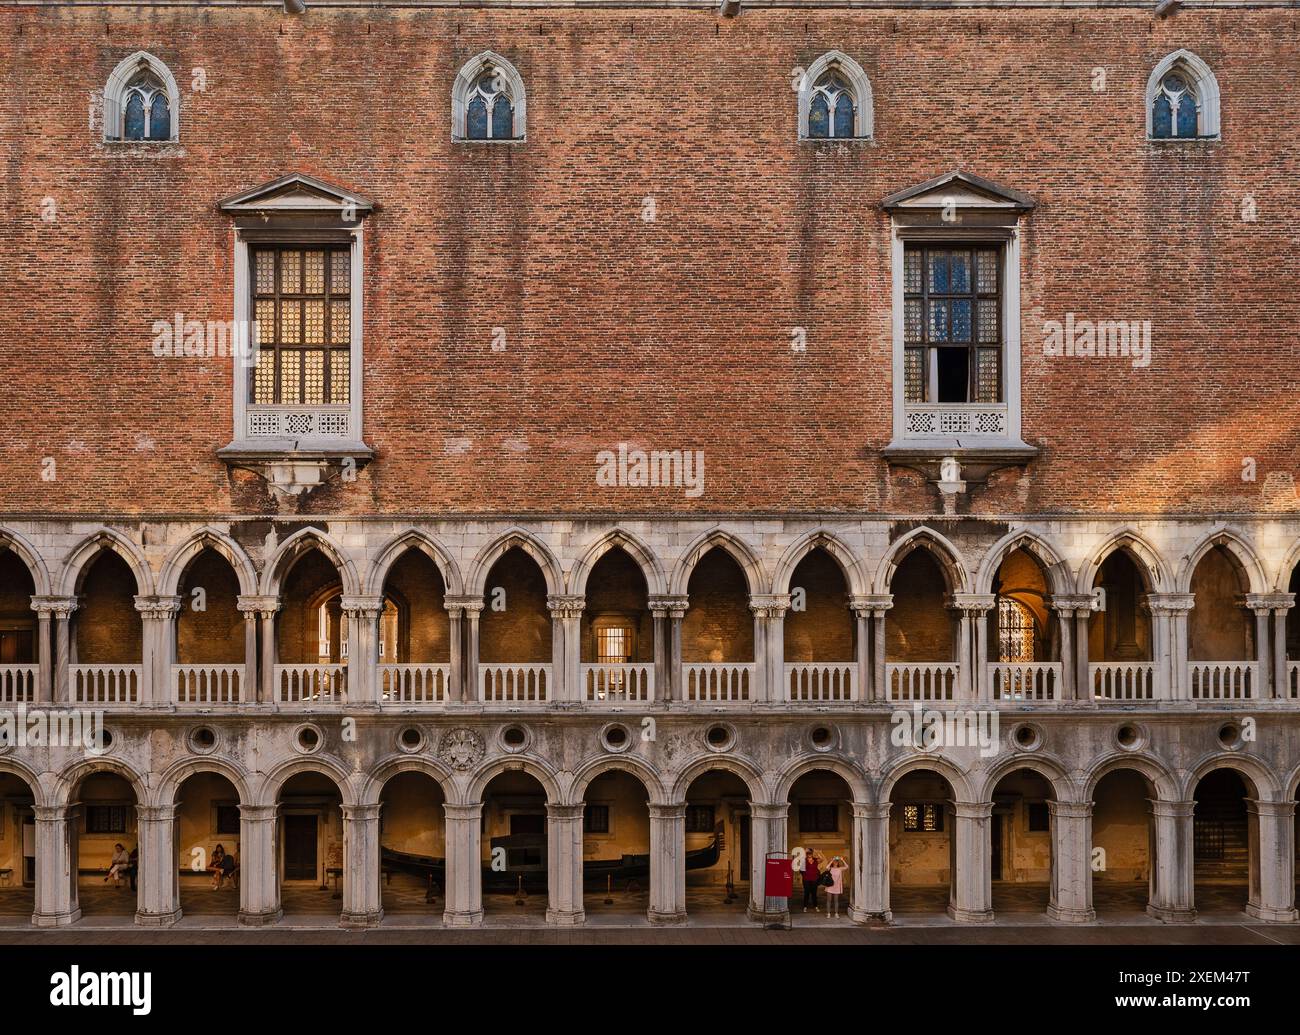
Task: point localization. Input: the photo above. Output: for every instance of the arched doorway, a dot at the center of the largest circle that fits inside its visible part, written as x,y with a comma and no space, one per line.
414,633
17,847
311,864
210,637
412,845
821,822
1123,853
1020,843
1119,633
718,632
1024,643
920,633
311,634
922,859
107,641
208,835
820,633
719,846
107,845
616,857
618,648
515,849
1222,847
19,654
516,644
1223,662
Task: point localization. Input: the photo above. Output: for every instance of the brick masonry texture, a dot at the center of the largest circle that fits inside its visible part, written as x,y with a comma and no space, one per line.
671,334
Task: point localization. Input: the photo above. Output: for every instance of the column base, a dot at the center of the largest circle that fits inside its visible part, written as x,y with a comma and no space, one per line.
863,916
143,919
1172,916
566,917
356,921
665,919
970,916
768,917
458,919
1069,915
56,919
265,918
1271,915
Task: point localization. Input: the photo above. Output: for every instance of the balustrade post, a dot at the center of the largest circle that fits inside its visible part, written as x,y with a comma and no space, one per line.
566,646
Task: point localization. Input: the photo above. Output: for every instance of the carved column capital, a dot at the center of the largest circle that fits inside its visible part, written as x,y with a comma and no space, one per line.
671,605
1170,605
974,604
566,605
158,608
59,607
257,606
769,605
361,607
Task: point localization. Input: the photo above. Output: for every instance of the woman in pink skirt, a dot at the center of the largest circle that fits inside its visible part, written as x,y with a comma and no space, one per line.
836,887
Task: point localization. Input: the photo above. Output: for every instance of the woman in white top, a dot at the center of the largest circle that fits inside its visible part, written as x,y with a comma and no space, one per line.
836,887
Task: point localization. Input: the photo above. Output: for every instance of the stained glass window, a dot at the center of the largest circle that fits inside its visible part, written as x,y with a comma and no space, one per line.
146,113
134,116
952,301
831,109
298,313
160,121
1175,111
489,111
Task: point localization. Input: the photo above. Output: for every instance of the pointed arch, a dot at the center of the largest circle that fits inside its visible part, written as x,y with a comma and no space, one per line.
827,540
511,85
1289,563
728,762
859,87
1059,576
295,547
958,779
171,781
73,775
538,768
1064,786
27,553
372,787
619,538
209,538
646,774
74,565
413,539
508,540
947,556
1204,87
741,552
810,762
1237,545
1148,559
116,88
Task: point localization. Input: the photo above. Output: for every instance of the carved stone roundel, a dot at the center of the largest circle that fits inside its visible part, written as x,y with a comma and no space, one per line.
461,748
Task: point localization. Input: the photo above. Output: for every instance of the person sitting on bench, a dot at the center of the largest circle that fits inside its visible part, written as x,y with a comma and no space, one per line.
224,868
117,865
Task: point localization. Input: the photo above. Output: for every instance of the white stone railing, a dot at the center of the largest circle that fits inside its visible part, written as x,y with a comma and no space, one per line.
414,683
311,684
937,420
821,681
1223,680
18,683
1122,680
718,681
633,681
105,684
922,680
514,683
1025,681
1293,679
208,684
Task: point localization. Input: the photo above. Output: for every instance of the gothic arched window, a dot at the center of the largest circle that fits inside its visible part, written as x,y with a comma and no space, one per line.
1182,99
141,101
834,100
488,100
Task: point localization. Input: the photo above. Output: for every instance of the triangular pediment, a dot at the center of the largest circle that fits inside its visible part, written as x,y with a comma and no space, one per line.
962,190
298,193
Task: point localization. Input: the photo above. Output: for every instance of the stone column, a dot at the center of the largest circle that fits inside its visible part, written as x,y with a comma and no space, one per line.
675,609
973,609
363,904
971,896
1068,609
667,864
52,615
251,609
880,605
1070,897
1169,613
1171,894
158,616
363,648
259,865
473,607
1262,606
1281,603
862,644
266,608
1082,673
56,866
1272,861
159,901
456,642
564,865
870,892
566,646
659,616
769,645
767,821
464,891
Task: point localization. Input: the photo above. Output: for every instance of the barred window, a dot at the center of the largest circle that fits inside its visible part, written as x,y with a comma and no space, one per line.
595,819
106,819
699,819
1015,631
952,324
818,819
923,818
303,311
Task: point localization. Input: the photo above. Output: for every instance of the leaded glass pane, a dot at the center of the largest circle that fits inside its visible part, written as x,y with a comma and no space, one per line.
844,116
290,322
313,377
313,325
987,376
987,260
264,314
290,273
911,817
818,117
502,118
961,318
340,322
134,117
988,320
938,321
959,282
339,283
1174,83
340,383
160,123
914,375
264,264
314,273
476,120
264,379
912,317
912,272
939,272
1162,118
290,368
1187,116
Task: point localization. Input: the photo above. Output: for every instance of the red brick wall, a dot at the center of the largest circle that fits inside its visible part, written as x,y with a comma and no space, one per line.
618,329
